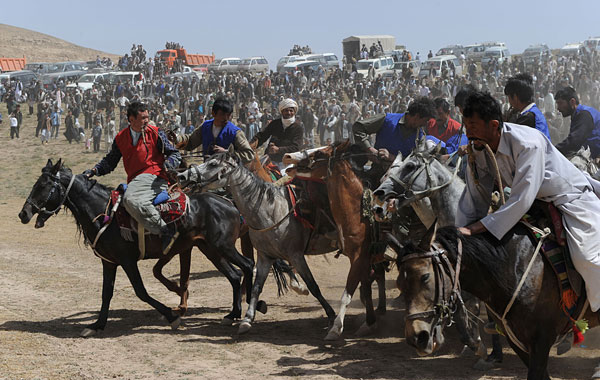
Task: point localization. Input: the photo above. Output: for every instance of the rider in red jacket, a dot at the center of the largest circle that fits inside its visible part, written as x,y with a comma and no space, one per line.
147,154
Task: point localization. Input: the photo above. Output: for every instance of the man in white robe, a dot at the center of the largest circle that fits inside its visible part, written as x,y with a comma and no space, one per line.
534,169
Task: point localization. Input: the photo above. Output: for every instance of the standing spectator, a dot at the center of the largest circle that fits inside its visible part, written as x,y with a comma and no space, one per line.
19,117
55,121
45,130
97,135
14,126
110,132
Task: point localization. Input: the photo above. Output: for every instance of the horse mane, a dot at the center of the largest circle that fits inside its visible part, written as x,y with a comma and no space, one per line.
344,147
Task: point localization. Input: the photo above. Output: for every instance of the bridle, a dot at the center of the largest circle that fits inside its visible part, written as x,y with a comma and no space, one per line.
41,208
446,303
424,165
216,177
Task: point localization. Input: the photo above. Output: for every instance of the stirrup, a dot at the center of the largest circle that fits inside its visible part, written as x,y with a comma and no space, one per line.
491,328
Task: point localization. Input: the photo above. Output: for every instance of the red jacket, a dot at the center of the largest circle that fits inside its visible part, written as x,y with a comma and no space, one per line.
141,158
451,130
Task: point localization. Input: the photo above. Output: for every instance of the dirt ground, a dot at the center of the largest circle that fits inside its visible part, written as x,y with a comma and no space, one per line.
50,286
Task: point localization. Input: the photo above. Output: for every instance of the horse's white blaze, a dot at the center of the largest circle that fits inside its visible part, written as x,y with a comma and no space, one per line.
338,324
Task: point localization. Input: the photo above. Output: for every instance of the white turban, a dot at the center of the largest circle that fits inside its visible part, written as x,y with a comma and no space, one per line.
288,103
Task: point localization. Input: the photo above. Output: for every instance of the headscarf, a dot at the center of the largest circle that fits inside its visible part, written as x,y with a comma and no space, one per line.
288,103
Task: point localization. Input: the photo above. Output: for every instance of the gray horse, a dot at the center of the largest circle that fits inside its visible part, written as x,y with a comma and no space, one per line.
274,231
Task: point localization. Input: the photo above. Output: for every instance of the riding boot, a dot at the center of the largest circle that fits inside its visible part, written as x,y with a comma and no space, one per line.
168,235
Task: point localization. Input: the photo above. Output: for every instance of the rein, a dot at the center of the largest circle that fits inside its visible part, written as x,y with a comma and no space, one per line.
55,185
444,307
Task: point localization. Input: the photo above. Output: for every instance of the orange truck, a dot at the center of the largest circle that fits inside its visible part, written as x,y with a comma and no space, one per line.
12,64
170,55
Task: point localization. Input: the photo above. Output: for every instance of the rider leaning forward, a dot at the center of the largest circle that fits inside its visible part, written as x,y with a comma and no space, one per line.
534,169
147,155
217,134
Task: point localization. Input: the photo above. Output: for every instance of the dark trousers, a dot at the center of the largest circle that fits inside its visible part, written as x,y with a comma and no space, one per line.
96,143
14,131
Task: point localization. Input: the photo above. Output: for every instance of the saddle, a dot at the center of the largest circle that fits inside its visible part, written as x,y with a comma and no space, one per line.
172,205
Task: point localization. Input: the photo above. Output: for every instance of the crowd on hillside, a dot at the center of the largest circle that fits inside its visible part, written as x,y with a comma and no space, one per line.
330,101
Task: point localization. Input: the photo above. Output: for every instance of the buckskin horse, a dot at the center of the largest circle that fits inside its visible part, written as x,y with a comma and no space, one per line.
211,224
491,270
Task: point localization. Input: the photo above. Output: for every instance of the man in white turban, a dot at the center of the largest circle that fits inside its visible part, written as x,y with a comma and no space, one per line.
285,132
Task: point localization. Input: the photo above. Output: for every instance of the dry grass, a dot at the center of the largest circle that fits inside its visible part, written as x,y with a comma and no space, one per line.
38,47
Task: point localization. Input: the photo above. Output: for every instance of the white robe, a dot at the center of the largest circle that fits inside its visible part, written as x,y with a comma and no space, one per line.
534,169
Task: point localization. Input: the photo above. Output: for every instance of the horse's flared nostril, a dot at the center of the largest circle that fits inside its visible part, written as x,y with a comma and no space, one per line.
379,193
423,339
378,210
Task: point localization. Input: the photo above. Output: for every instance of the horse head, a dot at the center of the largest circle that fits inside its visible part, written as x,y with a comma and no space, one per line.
419,281
45,195
583,161
213,173
409,179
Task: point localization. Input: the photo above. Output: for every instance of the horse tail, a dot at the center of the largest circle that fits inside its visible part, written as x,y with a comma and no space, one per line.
280,269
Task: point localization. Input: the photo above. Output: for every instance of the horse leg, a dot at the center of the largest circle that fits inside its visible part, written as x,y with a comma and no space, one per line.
263,266
379,272
245,263
358,268
299,262
181,290
248,252
133,273
109,272
538,356
234,277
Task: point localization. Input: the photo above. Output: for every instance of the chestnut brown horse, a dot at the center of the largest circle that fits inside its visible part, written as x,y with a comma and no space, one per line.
345,191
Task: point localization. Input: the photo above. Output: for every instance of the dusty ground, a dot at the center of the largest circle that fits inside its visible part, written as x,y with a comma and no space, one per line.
50,289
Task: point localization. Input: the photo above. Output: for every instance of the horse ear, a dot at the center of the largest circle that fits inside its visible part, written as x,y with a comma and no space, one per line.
49,164
57,166
429,237
587,153
438,148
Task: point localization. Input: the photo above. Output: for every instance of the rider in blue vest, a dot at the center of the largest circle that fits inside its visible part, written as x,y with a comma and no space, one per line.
519,90
585,124
395,132
217,134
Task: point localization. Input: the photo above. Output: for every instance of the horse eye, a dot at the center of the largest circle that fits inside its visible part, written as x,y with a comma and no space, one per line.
425,278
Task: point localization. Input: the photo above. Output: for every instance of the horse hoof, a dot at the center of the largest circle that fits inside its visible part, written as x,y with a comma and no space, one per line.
180,310
299,288
484,365
365,329
175,324
226,321
262,307
333,334
244,327
87,332
596,374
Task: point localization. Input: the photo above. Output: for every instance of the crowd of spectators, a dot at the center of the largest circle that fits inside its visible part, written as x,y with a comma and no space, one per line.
330,101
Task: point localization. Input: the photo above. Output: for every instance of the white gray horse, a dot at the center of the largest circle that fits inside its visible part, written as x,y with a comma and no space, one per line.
274,231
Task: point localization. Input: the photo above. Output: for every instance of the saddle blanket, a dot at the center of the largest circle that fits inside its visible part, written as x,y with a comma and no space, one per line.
172,207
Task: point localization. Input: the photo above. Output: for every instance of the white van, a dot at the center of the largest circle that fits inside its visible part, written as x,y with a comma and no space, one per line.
225,65
572,50
380,65
500,53
592,43
435,65
285,60
331,60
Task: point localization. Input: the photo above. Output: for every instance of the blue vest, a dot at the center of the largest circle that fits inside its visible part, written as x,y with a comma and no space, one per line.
540,120
594,139
393,137
455,141
225,138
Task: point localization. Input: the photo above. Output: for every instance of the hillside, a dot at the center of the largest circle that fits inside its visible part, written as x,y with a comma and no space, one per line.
38,47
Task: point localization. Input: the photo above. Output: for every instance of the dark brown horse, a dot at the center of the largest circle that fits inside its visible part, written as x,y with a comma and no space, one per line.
491,270
345,192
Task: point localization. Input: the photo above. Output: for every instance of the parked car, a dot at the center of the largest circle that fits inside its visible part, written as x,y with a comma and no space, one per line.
572,50
536,54
124,77
380,65
451,50
254,65
27,77
475,52
331,60
87,81
435,65
592,43
499,53
188,76
305,66
399,67
285,60
224,65
67,71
